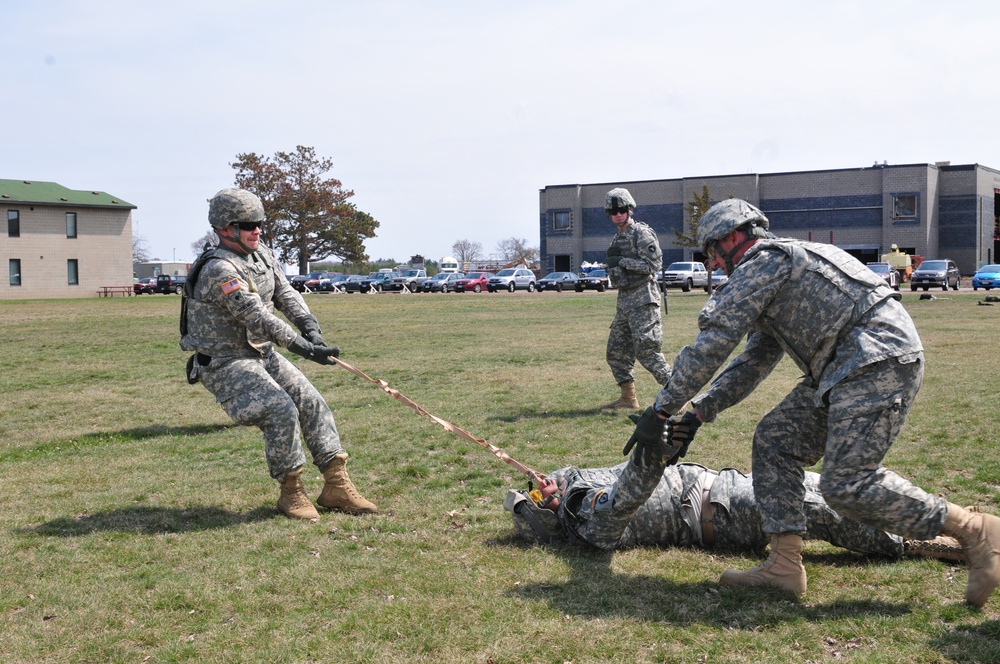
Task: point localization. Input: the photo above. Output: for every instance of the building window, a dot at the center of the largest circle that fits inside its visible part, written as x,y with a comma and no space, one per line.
13,223
904,206
15,271
71,224
561,220
73,272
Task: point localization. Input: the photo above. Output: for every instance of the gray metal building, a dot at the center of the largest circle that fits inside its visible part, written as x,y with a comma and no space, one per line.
930,210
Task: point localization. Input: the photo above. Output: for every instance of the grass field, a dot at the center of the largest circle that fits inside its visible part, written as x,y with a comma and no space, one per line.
139,523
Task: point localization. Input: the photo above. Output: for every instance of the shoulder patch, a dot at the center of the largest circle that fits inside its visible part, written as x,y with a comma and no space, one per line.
230,287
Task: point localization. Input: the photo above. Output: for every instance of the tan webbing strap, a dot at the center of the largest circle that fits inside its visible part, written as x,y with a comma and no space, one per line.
398,396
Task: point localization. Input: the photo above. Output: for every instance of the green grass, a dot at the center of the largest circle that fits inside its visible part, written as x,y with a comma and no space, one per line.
139,523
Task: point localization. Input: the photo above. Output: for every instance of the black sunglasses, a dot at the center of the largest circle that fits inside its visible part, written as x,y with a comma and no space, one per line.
248,225
613,211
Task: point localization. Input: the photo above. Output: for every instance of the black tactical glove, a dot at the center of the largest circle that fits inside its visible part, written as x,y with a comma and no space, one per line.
310,351
309,327
647,439
614,256
680,433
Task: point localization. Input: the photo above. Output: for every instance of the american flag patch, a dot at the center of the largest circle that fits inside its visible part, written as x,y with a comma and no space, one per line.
230,287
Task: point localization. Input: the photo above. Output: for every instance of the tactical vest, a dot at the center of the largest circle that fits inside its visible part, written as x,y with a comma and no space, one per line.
828,292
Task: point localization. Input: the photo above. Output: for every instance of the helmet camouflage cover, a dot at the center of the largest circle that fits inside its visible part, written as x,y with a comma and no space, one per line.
232,206
618,198
725,217
532,523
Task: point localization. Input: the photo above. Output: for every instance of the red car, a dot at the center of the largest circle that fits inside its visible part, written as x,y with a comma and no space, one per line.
473,281
144,286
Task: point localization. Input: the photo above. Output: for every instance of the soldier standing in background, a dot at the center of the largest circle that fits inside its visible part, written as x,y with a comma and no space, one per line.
862,364
634,260
228,318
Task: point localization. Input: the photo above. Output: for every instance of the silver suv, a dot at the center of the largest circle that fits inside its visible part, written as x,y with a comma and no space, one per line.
685,276
940,272
512,279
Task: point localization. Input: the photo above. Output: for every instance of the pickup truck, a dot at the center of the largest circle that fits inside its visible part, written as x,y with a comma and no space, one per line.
684,276
410,280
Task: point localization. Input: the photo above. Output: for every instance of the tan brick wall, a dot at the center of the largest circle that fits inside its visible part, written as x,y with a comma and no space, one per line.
102,248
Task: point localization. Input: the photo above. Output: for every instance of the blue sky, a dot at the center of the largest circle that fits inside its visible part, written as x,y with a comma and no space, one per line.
446,118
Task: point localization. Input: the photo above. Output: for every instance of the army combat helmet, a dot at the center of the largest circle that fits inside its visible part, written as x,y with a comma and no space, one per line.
234,206
618,199
725,217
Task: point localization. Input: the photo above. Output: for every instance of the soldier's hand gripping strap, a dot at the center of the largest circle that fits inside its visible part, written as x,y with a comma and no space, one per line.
647,437
309,327
680,433
310,351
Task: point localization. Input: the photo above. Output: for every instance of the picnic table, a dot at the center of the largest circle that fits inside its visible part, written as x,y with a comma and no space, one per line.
111,291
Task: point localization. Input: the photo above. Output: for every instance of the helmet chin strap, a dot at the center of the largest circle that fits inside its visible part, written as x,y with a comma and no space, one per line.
728,256
238,241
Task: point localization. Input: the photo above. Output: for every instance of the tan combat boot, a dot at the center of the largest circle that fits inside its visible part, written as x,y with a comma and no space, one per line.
626,400
294,502
783,568
941,547
979,534
339,492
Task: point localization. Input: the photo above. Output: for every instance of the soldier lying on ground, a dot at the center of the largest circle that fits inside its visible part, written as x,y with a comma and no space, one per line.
685,504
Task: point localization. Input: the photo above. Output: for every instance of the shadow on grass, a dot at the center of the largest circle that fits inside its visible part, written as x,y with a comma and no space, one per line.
63,445
595,591
149,521
970,643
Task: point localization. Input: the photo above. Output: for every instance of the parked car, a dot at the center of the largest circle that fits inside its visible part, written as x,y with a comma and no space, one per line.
353,283
426,284
170,283
380,281
557,281
596,279
473,281
145,286
988,276
447,284
719,278
409,279
887,272
298,282
684,276
512,279
939,272
315,281
334,283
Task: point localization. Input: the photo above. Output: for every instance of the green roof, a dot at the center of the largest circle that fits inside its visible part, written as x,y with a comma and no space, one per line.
50,193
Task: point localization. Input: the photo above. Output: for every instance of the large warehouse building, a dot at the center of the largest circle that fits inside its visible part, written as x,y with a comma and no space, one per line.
930,210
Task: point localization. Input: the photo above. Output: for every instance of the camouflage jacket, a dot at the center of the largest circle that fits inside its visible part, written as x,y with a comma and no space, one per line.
230,312
641,262
812,302
627,505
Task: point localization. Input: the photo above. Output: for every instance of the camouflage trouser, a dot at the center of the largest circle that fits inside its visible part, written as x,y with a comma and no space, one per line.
738,523
637,334
272,394
852,434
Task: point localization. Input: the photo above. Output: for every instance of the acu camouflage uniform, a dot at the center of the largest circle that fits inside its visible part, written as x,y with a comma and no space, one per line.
862,362
628,506
637,329
232,326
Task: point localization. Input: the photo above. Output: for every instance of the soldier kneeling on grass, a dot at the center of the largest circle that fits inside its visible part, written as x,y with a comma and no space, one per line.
227,318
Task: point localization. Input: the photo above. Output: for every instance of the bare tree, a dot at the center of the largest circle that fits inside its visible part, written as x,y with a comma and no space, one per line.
517,250
140,252
209,239
467,251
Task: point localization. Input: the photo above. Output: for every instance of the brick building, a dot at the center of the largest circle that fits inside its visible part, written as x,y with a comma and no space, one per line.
930,210
62,243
